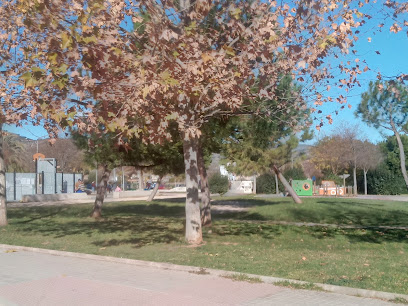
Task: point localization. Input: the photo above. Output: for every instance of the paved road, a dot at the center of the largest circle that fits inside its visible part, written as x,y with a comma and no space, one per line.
30,278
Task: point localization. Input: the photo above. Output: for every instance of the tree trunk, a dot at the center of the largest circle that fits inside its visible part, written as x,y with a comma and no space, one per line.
276,183
287,186
193,216
100,193
355,180
365,181
140,178
402,154
205,190
3,204
254,191
154,191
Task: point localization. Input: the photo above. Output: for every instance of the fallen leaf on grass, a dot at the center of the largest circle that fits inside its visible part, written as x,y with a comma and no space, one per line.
304,258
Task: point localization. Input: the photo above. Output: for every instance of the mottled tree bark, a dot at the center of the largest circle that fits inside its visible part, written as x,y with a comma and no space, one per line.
193,216
276,184
289,188
154,191
205,190
3,204
100,193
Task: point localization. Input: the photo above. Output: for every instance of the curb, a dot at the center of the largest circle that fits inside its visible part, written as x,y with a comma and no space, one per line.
167,266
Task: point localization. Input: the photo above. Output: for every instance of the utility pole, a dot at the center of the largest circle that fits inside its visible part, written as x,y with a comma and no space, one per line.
123,180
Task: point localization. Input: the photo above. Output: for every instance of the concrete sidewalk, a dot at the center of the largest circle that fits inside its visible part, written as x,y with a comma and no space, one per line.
32,278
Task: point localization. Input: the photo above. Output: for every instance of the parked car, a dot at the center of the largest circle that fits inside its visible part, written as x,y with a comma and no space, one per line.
150,186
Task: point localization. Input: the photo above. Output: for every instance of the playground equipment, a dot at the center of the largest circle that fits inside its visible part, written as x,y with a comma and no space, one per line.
246,186
329,188
303,187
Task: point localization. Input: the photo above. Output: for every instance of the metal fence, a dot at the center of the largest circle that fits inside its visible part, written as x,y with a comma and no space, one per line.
19,184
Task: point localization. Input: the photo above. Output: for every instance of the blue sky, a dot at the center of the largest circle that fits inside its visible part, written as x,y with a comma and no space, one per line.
392,61
29,131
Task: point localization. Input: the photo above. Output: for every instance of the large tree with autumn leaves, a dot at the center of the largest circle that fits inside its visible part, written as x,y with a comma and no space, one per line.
31,88
110,62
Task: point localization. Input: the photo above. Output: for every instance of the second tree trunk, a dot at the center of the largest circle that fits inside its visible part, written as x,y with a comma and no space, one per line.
154,191
287,186
205,190
100,194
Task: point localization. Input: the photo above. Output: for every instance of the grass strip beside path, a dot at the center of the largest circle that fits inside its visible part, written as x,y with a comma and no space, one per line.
362,258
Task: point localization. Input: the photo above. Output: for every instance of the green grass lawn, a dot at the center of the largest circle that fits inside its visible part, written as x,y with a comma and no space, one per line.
362,258
346,211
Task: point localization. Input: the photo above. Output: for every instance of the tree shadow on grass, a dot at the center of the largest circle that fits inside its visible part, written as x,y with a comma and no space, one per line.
30,214
134,224
237,215
265,231
34,215
146,231
138,231
172,200
353,213
141,224
237,202
155,209
356,235
248,202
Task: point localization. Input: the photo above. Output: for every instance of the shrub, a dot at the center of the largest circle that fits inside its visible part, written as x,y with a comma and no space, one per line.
383,181
265,183
218,183
295,173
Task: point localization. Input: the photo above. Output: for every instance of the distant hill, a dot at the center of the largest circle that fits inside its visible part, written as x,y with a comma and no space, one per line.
303,148
69,157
